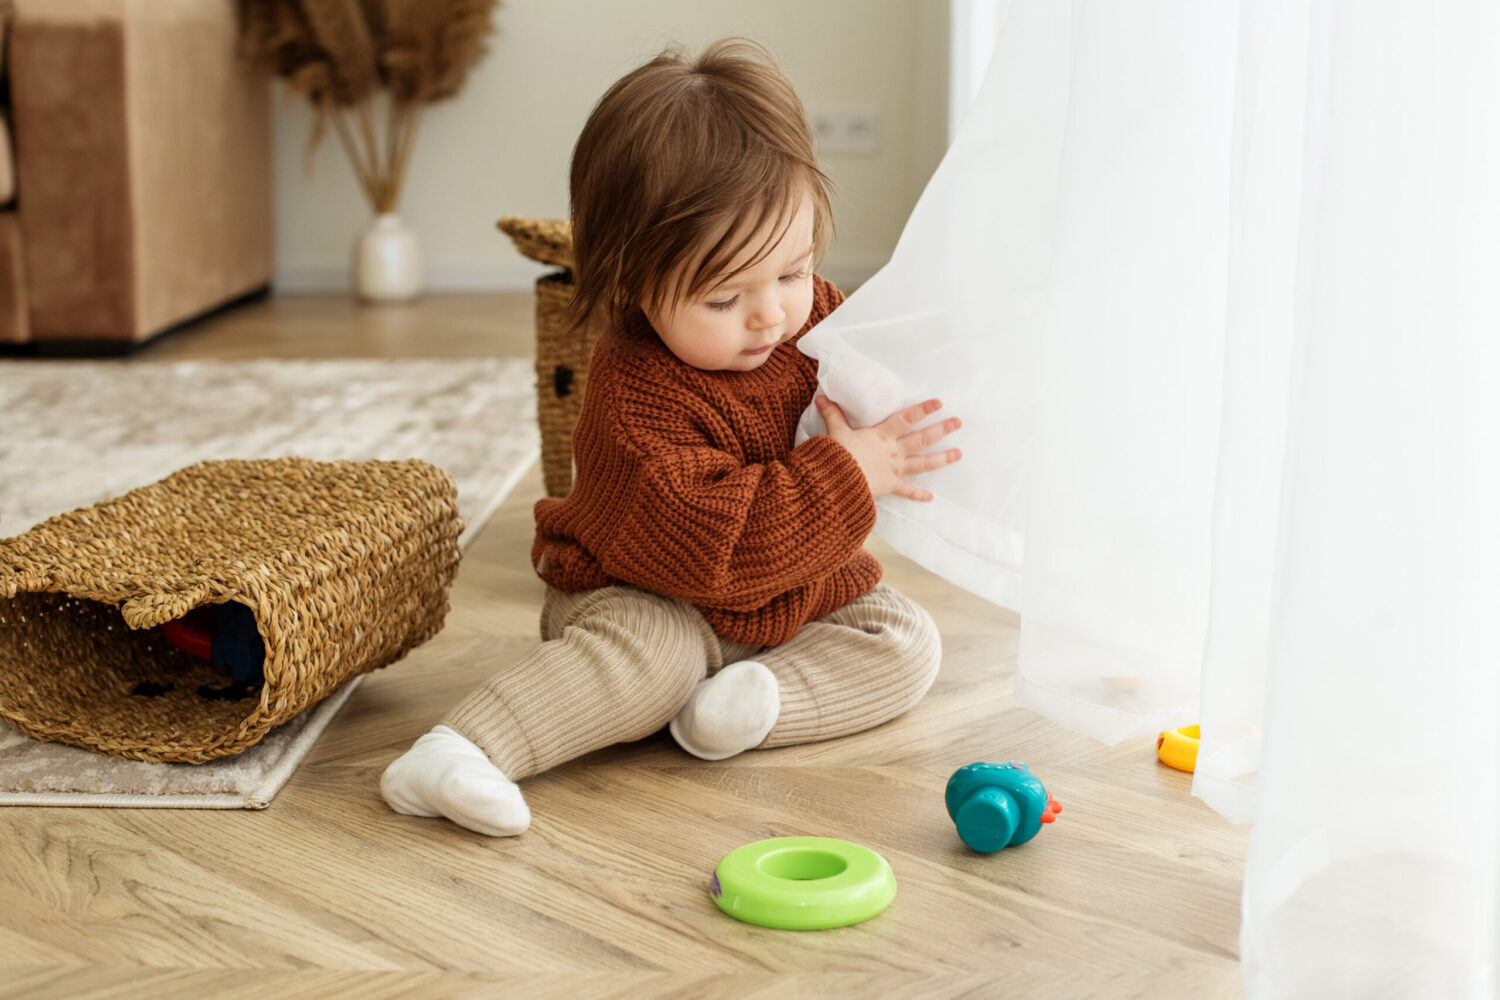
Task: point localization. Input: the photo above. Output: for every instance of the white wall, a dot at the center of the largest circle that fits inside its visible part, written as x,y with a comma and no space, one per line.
502,146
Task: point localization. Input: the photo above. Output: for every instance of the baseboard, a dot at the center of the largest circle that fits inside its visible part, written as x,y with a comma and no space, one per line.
515,276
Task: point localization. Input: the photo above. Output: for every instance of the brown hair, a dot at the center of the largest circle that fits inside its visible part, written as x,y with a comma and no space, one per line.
680,165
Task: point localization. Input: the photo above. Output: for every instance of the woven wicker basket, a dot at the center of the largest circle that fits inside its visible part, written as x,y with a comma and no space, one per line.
562,360
345,565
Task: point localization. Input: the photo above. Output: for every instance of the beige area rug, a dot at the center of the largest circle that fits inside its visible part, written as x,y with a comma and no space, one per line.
77,432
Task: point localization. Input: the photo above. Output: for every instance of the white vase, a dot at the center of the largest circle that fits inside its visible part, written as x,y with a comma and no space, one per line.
387,261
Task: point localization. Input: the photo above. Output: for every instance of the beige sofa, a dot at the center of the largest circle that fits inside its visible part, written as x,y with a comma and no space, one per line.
138,194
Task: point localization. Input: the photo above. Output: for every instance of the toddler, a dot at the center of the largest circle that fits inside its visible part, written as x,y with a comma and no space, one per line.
703,574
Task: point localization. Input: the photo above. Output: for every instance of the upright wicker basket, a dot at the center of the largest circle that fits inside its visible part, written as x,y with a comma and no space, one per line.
345,566
562,359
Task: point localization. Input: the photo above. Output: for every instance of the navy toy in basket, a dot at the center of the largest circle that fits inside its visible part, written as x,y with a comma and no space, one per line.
225,635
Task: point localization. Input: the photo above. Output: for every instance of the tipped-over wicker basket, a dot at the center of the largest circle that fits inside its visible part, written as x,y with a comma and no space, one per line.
345,567
562,359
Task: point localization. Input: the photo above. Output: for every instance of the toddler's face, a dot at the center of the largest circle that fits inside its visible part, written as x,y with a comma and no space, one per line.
736,324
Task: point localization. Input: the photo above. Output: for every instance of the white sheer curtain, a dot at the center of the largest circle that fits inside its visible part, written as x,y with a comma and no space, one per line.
1216,288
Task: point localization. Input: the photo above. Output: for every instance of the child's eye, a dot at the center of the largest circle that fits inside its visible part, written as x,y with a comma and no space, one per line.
721,306
796,275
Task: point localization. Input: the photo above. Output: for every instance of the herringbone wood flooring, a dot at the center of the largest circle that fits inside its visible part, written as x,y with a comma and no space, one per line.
1134,892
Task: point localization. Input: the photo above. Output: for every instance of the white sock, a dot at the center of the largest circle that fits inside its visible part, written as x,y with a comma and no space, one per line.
444,774
730,712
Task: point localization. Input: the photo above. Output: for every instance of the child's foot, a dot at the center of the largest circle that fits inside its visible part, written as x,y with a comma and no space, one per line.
444,774
730,712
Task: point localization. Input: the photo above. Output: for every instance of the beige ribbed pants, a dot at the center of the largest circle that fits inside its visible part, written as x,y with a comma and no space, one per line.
618,663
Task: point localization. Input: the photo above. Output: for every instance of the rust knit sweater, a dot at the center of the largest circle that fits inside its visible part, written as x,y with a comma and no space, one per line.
688,486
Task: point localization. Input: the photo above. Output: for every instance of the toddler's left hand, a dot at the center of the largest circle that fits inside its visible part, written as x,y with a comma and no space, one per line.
890,451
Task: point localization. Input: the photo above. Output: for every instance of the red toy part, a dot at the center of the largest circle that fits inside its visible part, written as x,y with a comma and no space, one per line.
193,633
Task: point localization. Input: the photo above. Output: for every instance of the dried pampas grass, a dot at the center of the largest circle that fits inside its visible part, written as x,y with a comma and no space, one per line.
343,54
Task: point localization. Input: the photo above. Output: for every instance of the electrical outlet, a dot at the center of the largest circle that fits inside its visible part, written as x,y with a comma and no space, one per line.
846,131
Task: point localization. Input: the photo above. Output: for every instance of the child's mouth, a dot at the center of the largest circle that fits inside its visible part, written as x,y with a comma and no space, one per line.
769,347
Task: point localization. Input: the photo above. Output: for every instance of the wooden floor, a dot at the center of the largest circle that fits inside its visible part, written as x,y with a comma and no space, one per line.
1134,892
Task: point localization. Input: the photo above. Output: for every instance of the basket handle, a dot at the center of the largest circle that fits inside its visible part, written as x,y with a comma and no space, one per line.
150,610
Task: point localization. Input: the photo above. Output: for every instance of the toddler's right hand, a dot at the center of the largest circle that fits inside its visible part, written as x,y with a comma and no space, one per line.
890,451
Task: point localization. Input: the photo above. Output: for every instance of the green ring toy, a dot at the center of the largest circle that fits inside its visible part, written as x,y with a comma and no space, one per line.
802,883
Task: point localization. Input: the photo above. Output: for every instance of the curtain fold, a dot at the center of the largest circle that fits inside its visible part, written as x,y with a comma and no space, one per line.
1214,288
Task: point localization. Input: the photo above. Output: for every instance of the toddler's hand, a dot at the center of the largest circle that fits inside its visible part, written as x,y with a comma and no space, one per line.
890,451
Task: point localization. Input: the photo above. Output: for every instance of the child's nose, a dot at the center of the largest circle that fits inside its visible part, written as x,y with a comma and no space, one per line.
768,313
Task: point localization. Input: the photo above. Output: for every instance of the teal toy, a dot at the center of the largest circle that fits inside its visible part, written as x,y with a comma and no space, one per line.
802,883
998,805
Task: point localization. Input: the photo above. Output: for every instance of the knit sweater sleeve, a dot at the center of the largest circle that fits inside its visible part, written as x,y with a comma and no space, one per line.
690,521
